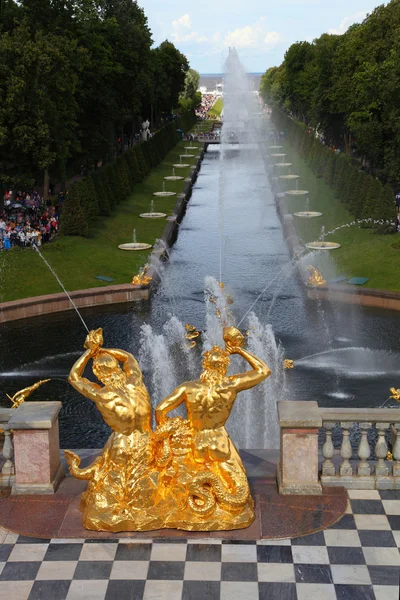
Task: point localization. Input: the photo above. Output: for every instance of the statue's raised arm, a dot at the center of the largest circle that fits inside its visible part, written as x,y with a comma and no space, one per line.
234,342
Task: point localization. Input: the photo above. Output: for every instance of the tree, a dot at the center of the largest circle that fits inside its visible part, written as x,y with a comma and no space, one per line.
38,116
169,72
73,217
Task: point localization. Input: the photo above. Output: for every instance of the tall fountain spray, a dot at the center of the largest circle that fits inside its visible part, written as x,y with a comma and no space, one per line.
166,357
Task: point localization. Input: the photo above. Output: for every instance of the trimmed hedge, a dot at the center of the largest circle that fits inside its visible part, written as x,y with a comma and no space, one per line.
364,196
100,191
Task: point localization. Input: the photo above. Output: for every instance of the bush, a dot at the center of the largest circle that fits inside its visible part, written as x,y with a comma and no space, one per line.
102,195
73,221
86,192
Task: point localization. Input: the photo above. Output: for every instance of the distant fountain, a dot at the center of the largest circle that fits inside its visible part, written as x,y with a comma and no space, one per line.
164,192
173,177
134,245
153,214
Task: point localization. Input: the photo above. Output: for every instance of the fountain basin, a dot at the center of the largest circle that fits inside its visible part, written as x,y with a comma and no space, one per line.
181,165
288,177
283,165
153,215
191,147
173,178
135,246
297,193
322,246
163,194
277,155
275,147
307,214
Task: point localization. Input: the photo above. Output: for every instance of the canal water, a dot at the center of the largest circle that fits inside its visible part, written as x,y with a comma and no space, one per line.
344,355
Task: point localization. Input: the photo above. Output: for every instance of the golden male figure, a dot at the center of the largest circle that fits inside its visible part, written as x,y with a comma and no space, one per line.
118,488
219,495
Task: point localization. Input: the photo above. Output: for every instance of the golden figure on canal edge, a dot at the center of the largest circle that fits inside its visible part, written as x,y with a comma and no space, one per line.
22,395
187,474
316,278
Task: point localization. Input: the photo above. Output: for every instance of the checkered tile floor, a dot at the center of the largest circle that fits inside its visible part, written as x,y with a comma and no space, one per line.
356,559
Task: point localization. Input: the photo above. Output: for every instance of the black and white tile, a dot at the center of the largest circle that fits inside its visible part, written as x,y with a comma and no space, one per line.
356,559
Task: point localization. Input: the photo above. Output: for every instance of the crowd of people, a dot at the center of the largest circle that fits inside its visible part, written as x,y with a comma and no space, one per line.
207,102
28,220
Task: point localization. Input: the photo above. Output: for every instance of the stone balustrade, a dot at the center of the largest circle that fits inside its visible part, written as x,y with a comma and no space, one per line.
361,461
363,472
7,468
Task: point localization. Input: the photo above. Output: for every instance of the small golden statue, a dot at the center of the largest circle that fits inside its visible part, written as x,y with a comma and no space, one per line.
22,395
187,474
288,364
316,279
191,335
142,278
395,394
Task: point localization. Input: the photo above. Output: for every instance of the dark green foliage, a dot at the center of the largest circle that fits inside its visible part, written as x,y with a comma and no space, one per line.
385,208
347,87
86,193
101,193
134,167
372,198
73,221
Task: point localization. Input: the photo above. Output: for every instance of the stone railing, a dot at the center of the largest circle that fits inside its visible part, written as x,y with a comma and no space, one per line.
7,468
361,460
31,455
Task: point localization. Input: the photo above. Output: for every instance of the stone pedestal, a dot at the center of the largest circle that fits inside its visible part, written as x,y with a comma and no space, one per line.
36,448
297,471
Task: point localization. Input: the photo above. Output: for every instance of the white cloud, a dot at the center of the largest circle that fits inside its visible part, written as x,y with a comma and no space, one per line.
347,21
253,36
183,22
180,33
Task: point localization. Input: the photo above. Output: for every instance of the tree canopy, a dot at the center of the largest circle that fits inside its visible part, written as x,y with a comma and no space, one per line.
74,76
347,86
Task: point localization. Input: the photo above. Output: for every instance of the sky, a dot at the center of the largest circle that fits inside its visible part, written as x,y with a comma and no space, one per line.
261,30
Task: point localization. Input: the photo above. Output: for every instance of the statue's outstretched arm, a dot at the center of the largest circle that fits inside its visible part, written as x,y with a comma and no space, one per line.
130,364
81,384
169,403
245,381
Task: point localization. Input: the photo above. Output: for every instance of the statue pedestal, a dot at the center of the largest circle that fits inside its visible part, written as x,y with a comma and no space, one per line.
36,448
297,471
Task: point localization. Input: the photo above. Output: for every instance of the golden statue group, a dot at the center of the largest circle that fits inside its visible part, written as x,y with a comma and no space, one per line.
187,474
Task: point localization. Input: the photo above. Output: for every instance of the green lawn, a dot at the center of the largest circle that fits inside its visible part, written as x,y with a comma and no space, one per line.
78,260
363,252
216,110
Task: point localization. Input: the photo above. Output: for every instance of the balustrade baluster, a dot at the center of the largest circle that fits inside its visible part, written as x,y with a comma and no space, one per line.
364,451
381,450
346,450
8,453
396,451
328,468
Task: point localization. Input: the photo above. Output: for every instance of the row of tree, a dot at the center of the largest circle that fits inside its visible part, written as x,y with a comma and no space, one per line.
75,76
347,87
97,193
364,195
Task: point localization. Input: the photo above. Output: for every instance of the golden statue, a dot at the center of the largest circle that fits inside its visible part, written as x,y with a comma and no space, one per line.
187,474
142,278
316,279
288,364
191,335
395,394
124,404
22,395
